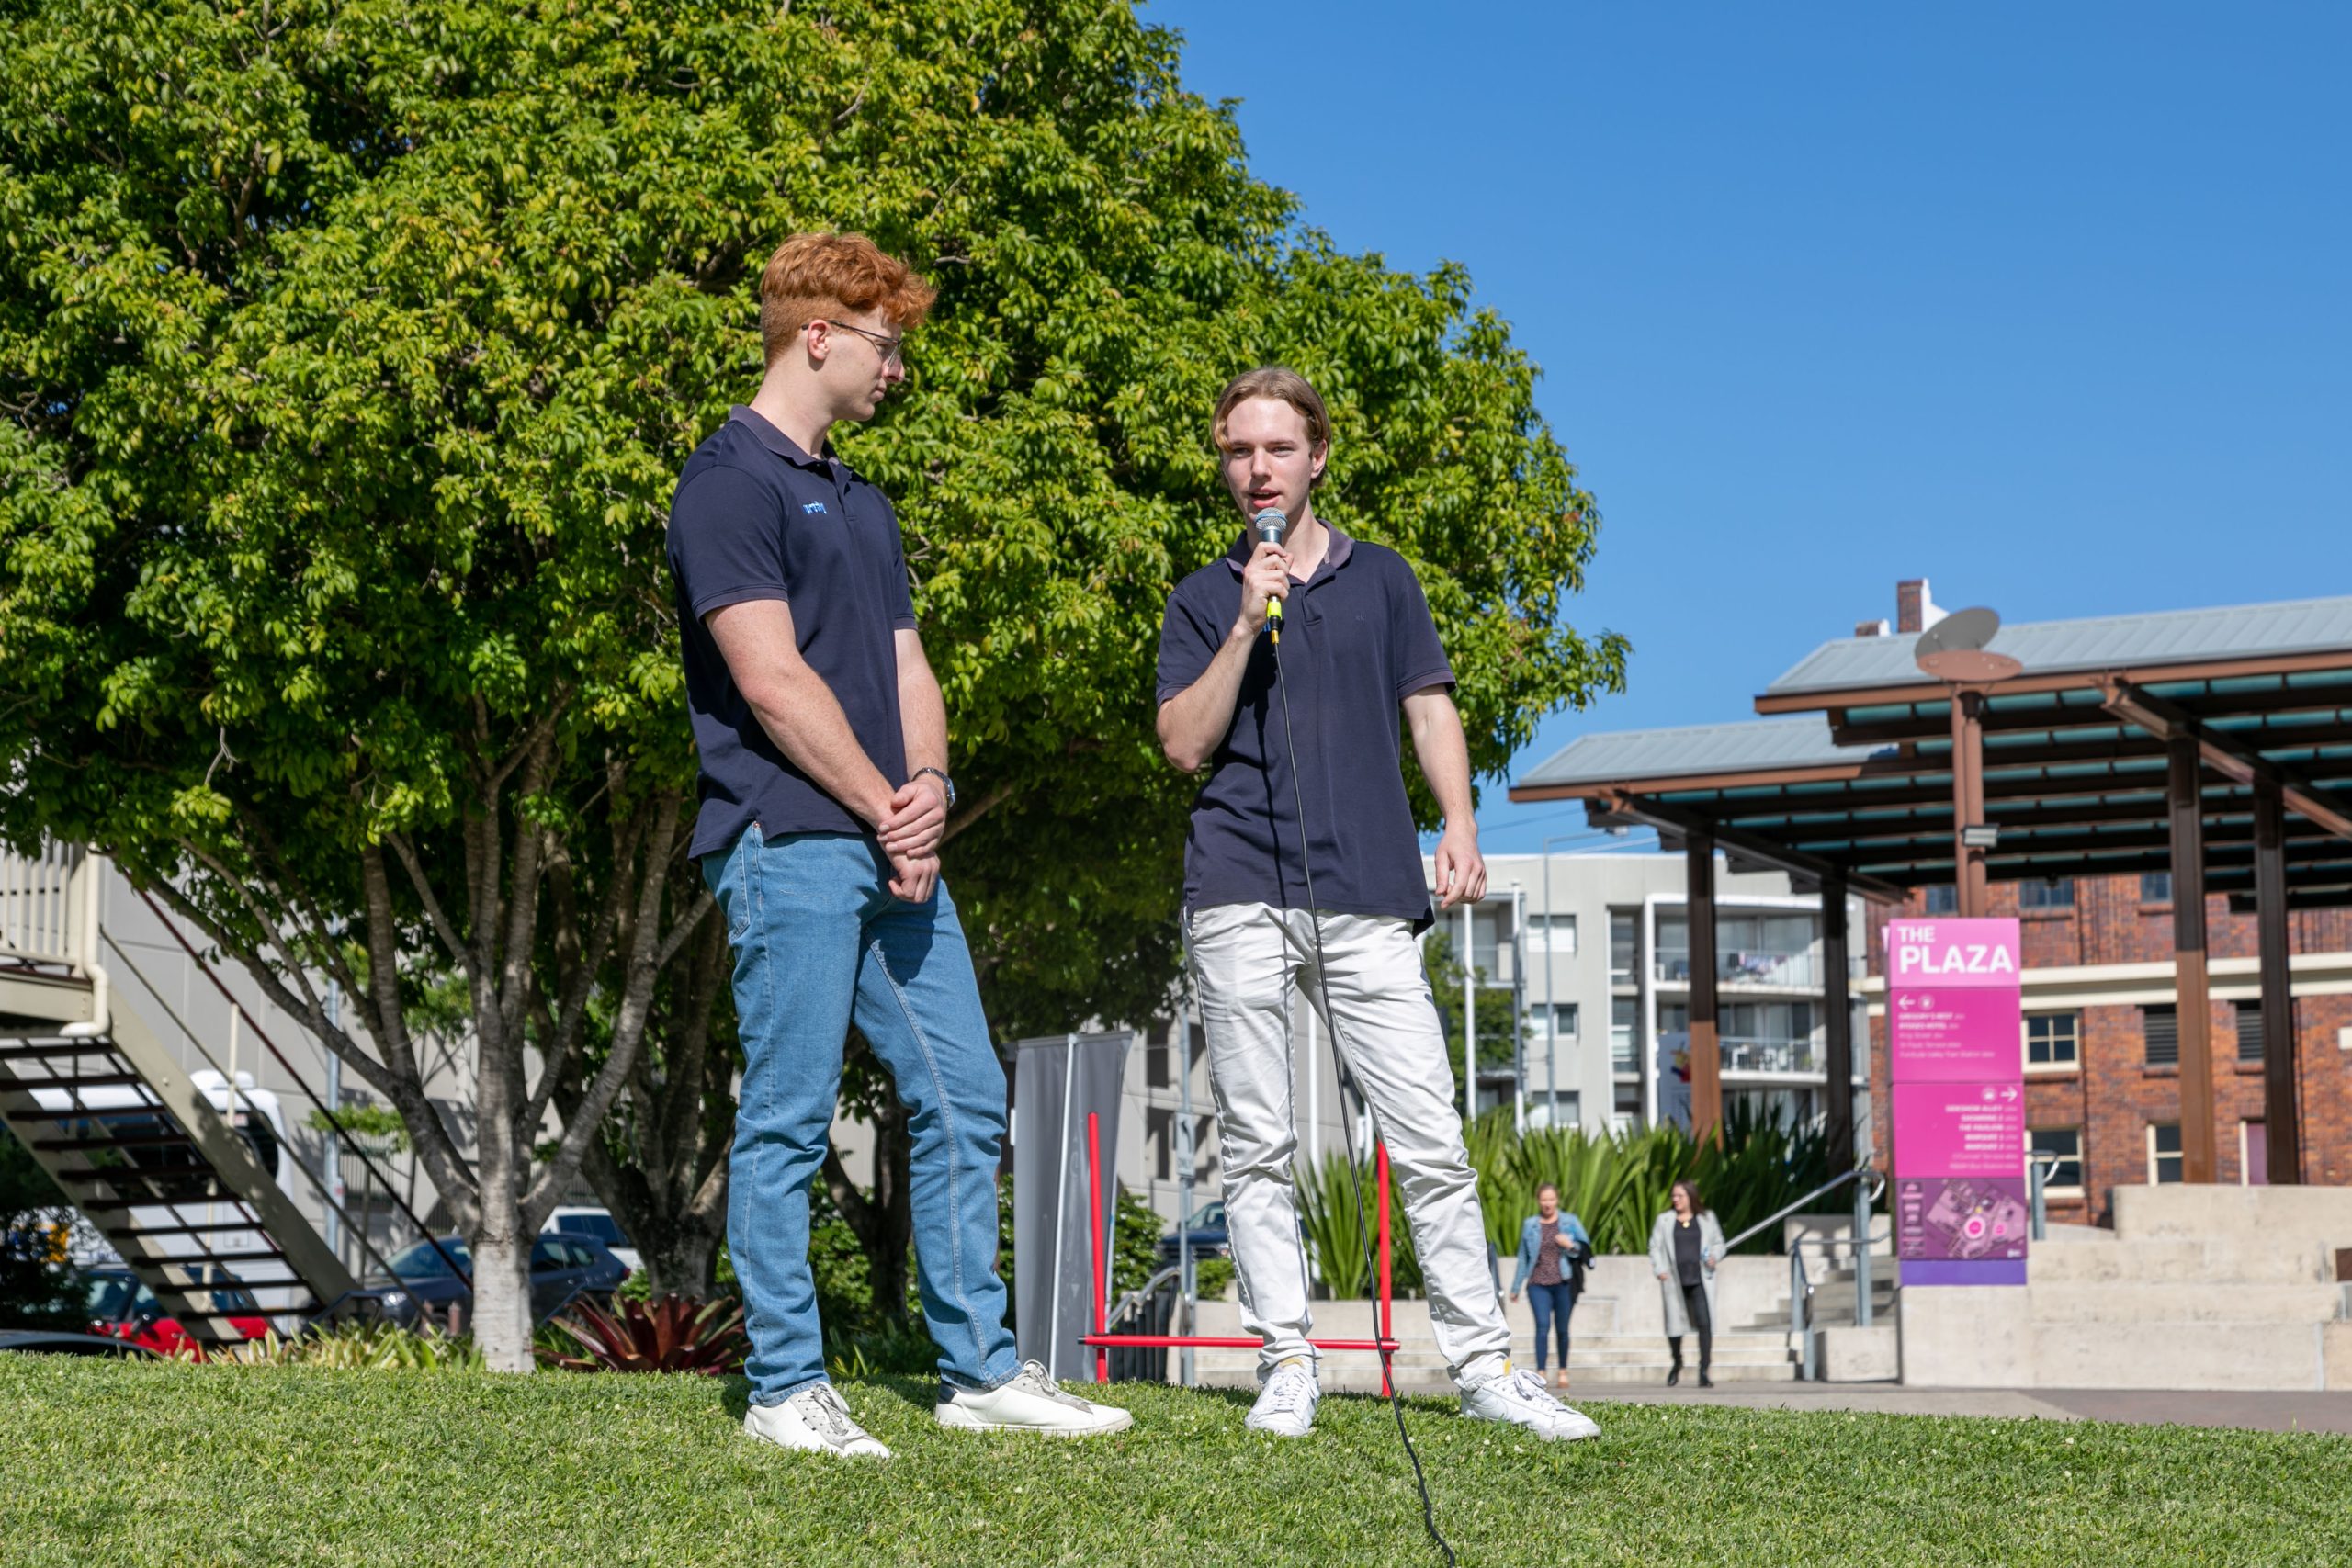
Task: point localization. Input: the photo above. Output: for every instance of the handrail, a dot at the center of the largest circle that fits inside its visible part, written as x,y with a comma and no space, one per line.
327,1199
2038,1164
1137,1296
1831,1185
1825,1245
341,1131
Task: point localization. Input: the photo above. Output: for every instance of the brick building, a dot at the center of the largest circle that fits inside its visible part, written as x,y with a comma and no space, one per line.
2102,1069
2071,774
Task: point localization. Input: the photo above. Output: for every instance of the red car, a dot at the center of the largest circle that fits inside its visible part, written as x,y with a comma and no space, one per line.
123,1308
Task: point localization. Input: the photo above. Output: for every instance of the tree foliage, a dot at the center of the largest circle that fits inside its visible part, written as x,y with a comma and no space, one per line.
349,351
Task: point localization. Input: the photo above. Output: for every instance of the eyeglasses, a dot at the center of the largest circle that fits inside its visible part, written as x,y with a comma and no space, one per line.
894,349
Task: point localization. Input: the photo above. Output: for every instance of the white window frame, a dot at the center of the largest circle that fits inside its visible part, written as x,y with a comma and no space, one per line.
2245,1171
2179,1156
2054,1189
1540,929
2025,1043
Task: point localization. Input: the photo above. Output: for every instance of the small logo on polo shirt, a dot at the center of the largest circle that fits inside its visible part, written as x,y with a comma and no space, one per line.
812,506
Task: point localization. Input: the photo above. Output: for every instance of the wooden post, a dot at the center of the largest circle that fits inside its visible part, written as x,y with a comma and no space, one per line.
2281,1049
2191,988
1969,886
1706,1050
1839,1101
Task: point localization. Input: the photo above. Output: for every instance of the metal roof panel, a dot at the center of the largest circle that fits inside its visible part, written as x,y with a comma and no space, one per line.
1699,748
2103,642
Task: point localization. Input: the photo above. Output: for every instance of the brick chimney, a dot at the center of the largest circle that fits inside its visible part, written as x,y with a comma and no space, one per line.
1871,629
1909,596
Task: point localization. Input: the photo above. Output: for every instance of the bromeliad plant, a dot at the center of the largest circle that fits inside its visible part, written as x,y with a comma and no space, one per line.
676,1334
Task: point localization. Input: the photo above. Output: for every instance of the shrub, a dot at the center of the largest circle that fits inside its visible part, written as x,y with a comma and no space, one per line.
676,1334
1617,1183
357,1346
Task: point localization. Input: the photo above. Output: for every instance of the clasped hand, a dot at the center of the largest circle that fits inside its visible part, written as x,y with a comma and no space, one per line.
910,835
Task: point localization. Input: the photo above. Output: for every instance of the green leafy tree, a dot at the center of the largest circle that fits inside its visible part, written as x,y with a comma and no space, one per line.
349,350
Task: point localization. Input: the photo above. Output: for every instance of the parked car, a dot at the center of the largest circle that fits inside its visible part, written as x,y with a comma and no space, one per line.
1208,1233
424,1284
121,1307
596,1225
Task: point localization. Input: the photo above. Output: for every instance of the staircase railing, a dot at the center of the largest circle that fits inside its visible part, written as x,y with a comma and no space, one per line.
48,921
42,897
1150,1306
349,1140
1868,1184
2038,1166
373,1256
1801,1319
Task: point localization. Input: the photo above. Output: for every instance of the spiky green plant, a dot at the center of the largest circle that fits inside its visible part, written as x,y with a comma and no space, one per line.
676,1334
359,1347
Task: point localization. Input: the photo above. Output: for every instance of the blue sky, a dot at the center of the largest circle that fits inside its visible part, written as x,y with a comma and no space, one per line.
2049,304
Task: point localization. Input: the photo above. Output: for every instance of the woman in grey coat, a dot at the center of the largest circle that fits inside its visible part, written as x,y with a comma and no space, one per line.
1686,1244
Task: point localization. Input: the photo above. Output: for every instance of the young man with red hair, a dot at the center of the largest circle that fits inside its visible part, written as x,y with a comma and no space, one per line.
824,799
1358,651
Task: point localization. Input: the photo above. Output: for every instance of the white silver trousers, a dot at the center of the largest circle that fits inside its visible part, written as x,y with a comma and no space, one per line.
1251,959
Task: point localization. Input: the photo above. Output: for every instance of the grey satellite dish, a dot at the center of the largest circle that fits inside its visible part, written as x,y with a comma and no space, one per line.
1953,648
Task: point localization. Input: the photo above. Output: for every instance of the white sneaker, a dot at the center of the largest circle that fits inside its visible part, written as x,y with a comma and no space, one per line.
813,1419
1520,1399
1286,1404
1032,1402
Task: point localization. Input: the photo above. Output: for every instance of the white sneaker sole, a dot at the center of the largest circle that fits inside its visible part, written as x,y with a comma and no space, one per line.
956,1420
817,1448
1273,1431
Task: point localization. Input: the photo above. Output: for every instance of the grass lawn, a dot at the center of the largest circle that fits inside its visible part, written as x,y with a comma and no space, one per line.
102,1462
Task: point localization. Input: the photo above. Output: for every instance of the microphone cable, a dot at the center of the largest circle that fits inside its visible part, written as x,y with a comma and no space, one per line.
1345,1079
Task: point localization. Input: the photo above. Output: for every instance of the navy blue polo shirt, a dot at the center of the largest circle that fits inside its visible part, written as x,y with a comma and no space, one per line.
755,517
1357,641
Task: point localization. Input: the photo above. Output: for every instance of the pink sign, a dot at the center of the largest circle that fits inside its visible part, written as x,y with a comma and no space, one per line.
1959,1129
1949,953
1952,1034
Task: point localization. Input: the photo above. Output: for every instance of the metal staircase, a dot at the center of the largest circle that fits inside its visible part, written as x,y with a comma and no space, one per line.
175,1169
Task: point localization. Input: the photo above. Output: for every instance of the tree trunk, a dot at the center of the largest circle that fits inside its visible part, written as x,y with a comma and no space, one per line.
679,1261
502,1319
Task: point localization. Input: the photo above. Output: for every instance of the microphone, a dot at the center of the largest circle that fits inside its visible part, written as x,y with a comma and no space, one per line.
1271,525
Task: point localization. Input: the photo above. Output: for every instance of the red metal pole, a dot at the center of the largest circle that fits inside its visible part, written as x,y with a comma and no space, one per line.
1386,1329
1094,1216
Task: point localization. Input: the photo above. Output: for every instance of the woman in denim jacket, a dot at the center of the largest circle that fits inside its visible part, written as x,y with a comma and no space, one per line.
1553,1251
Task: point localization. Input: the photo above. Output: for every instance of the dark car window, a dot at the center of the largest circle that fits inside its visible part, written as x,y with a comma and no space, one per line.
549,1254
600,1227
117,1298
423,1261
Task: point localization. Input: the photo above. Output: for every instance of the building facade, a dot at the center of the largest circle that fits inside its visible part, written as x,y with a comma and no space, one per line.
2101,1036
1594,951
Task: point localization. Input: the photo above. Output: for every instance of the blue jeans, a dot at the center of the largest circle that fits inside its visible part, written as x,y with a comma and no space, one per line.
819,943
1552,1303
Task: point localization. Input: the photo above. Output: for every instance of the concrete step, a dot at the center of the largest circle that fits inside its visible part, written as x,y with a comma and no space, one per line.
2178,1261
2181,1355
2148,1311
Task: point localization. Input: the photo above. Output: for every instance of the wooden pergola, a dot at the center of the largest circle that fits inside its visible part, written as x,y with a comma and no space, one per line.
2214,745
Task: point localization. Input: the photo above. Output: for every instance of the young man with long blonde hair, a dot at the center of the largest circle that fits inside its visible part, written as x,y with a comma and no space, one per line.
1358,653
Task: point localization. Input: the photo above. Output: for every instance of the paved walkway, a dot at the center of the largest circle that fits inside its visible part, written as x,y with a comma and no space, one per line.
2267,1412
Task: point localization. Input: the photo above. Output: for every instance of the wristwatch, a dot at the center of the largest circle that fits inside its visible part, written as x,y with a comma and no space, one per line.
943,779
